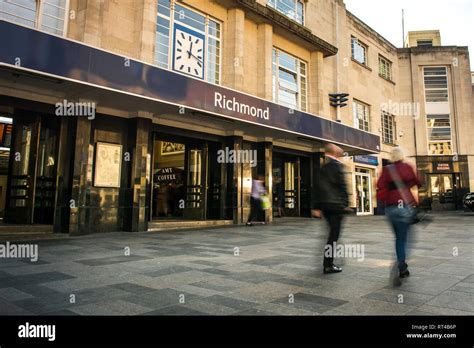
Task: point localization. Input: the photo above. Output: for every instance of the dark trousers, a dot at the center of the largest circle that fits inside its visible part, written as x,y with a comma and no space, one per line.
255,209
334,220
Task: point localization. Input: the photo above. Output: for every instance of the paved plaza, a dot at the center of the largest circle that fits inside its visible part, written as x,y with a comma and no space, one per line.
237,270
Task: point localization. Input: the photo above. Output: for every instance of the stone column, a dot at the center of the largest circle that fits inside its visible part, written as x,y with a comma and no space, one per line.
265,168
82,179
145,29
317,160
233,199
264,61
233,75
317,104
137,219
64,175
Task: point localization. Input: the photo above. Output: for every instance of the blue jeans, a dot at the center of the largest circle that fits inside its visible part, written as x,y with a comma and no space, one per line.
400,219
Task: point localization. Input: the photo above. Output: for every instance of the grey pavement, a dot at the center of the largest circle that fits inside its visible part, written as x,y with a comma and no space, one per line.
261,270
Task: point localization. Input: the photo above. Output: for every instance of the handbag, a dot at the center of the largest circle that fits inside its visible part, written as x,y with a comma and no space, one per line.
265,201
414,218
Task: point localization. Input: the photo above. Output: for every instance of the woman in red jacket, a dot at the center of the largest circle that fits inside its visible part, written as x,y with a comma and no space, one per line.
394,190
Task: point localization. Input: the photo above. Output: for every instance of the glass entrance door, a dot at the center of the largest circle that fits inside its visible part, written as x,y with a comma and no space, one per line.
196,182
443,187
21,178
45,193
31,191
291,183
363,194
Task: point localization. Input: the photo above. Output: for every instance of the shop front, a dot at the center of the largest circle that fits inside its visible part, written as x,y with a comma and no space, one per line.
365,168
158,146
445,181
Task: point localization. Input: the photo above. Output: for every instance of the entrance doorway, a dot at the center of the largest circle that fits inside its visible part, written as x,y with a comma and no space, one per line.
363,190
187,180
291,183
30,195
443,188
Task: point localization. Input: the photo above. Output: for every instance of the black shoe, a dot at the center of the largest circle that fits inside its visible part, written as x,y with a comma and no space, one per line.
332,269
404,274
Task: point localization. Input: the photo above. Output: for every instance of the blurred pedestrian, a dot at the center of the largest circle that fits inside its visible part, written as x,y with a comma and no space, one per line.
333,202
258,200
279,199
394,190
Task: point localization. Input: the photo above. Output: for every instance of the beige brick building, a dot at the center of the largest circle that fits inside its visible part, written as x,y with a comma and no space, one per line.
287,56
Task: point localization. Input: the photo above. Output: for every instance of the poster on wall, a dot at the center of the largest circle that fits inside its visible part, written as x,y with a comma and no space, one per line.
108,165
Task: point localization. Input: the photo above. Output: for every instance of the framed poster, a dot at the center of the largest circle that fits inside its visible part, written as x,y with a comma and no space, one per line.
108,165
169,148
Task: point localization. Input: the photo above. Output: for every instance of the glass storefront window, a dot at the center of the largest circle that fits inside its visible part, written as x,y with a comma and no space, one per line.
168,179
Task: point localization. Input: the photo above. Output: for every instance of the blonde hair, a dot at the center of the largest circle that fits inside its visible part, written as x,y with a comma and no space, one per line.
398,154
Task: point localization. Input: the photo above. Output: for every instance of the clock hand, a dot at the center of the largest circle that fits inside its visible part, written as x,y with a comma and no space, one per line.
196,57
190,50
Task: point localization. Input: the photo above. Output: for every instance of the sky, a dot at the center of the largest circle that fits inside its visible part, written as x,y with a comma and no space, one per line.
454,18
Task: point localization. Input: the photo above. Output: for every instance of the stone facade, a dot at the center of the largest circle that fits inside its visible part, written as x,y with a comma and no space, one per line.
251,29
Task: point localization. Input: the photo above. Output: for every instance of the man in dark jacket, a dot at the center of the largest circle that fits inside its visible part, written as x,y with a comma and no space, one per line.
334,201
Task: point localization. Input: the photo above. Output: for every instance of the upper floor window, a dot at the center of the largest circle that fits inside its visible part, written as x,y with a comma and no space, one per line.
361,115
436,84
425,43
385,68
293,9
359,51
388,128
289,80
439,134
188,41
47,15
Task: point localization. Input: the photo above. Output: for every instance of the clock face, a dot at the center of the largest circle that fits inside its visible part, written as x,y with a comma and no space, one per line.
188,53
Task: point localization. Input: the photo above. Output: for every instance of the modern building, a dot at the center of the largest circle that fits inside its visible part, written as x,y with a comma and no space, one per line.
436,78
117,115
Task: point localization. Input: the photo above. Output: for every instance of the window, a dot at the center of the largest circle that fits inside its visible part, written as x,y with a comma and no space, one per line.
436,84
385,68
359,51
47,15
289,80
361,115
439,134
428,43
388,128
293,9
211,29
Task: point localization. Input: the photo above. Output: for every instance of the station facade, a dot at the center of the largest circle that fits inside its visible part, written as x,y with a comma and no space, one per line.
117,115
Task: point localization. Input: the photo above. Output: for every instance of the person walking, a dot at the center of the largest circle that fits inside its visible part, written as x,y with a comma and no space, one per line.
256,201
333,202
394,190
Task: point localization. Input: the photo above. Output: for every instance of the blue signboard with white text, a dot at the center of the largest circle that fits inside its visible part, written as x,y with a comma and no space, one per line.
46,54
